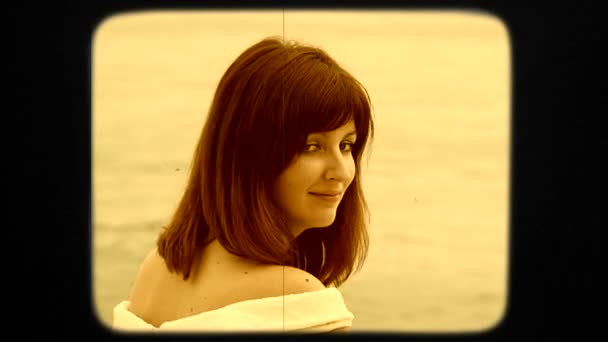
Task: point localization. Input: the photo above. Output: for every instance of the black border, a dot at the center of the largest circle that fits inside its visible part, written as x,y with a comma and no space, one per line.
548,288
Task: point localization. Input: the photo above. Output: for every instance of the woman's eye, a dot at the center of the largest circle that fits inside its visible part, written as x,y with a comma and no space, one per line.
347,146
311,147
344,147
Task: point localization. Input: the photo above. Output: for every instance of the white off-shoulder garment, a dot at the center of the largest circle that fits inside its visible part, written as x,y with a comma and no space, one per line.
317,311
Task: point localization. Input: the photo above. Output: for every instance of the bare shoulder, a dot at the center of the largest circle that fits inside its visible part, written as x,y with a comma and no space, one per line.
148,269
276,281
151,260
299,281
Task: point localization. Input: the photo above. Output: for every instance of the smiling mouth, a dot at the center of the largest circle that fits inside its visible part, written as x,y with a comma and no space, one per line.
327,197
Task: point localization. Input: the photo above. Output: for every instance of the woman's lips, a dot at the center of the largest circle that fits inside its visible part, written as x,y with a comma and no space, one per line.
327,197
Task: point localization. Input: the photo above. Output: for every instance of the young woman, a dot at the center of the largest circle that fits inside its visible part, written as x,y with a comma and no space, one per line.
273,217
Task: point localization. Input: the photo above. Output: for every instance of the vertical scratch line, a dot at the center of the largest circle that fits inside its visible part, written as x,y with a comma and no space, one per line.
283,98
283,298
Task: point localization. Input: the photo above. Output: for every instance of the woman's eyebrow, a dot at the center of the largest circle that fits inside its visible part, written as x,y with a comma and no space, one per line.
324,134
351,133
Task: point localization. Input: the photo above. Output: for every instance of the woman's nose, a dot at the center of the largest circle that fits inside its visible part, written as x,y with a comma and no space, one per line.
338,166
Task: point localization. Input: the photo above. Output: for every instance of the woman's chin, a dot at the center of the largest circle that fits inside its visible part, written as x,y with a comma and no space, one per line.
323,222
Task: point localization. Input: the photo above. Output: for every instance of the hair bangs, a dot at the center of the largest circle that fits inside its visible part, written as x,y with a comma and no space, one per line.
326,99
331,104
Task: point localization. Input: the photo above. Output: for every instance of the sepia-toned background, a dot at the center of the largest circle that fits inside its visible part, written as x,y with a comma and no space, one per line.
437,179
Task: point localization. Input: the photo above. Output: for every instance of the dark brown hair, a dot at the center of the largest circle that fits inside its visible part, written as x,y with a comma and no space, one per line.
269,100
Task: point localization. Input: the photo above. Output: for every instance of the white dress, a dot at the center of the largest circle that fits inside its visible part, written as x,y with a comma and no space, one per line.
317,311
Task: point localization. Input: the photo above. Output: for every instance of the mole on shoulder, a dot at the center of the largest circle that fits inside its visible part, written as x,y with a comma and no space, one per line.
307,280
246,272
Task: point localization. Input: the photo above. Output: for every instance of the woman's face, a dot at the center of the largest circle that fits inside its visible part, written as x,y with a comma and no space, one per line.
311,187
